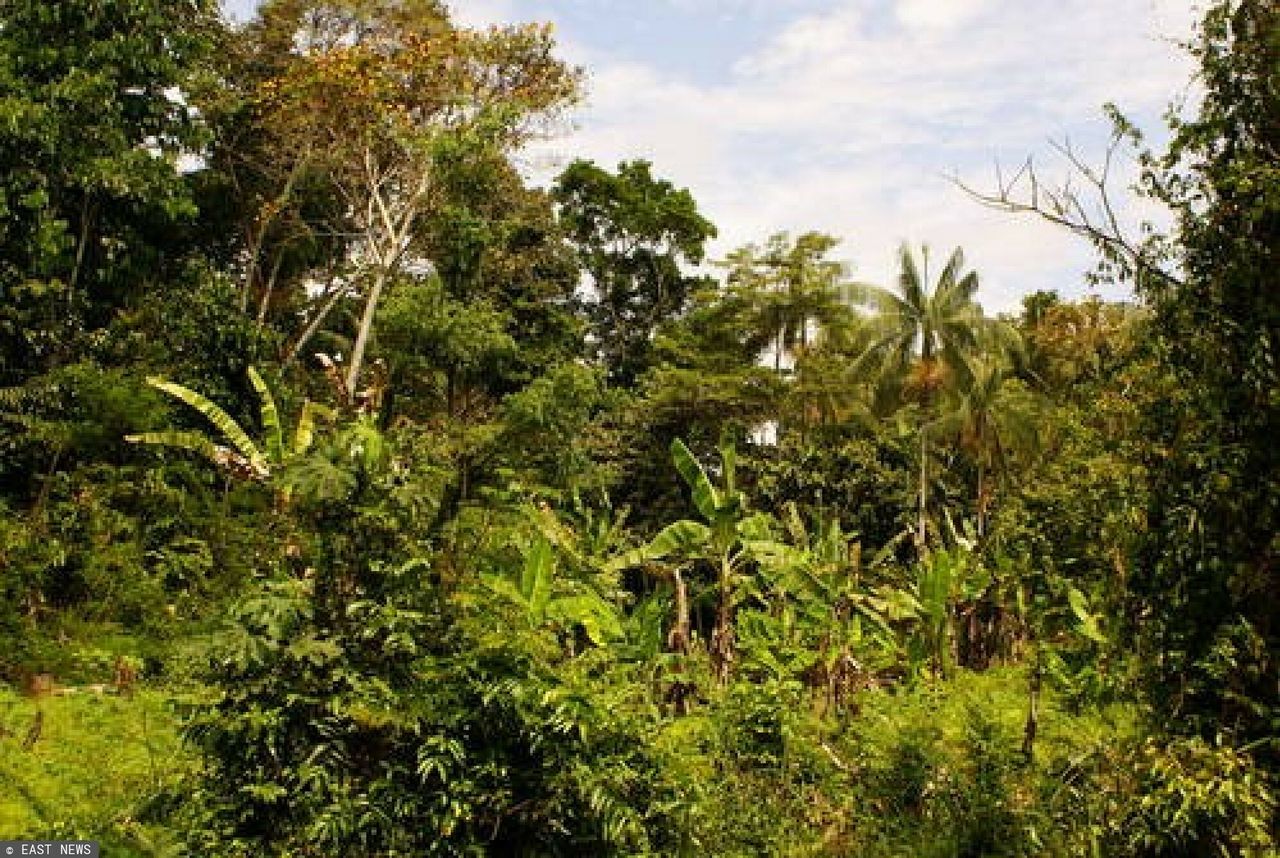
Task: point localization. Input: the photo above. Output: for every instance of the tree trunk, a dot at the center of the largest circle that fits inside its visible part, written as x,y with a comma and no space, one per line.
267,291
366,328
678,637
922,525
982,501
314,325
722,643
1033,709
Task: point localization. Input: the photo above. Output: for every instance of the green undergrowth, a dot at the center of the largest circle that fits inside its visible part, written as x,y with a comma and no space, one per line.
943,769
77,650
931,769
939,769
934,769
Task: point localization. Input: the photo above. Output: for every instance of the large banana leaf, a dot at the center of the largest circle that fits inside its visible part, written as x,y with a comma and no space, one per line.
535,577
305,432
682,538
270,417
222,421
596,616
934,584
705,497
756,528
190,441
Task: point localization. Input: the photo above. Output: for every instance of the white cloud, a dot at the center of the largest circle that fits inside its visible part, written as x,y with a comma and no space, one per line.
812,39
480,13
938,14
848,119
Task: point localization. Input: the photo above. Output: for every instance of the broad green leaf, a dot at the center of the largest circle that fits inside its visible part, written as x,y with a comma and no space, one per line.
536,577
1079,605
191,441
896,604
270,417
729,458
705,497
597,617
306,430
229,428
681,538
756,528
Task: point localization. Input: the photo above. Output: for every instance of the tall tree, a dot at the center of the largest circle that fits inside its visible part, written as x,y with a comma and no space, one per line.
996,420
634,234
382,98
922,334
1212,554
796,289
92,126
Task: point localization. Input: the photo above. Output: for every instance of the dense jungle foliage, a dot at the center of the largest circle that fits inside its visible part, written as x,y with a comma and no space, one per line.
358,497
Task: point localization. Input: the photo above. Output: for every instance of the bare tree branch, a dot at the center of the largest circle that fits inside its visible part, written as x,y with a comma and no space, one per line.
1088,211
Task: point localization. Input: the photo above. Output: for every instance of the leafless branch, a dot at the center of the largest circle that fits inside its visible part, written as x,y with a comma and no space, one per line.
1087,210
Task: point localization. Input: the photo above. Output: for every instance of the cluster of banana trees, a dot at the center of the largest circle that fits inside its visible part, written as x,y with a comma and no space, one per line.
797,603
231,448
773,596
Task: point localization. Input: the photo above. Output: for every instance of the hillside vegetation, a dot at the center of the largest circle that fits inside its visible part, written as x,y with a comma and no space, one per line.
359,498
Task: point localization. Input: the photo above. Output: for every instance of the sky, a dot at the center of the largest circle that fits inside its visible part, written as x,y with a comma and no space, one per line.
850,116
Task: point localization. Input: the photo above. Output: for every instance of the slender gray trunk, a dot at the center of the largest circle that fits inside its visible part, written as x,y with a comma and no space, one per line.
267,291
366,327
314,325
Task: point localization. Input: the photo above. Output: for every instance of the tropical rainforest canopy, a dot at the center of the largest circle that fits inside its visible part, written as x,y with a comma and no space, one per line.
360,497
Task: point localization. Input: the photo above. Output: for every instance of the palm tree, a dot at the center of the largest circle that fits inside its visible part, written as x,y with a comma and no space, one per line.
920,338
994,419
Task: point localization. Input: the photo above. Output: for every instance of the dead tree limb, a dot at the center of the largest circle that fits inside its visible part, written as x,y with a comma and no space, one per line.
1083,204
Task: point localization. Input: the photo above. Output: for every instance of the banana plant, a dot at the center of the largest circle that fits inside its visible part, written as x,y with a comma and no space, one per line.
234,450
547,600
816,579
728,538
588,537
937,576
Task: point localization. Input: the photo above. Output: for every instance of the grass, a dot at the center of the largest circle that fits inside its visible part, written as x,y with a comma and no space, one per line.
97,760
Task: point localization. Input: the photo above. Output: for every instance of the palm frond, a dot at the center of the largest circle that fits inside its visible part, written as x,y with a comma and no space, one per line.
910,284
